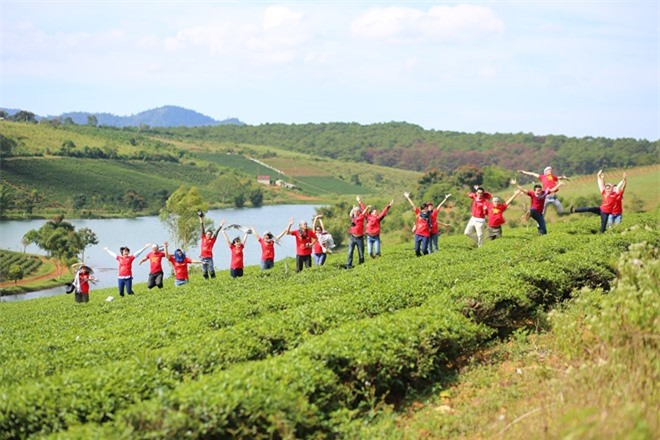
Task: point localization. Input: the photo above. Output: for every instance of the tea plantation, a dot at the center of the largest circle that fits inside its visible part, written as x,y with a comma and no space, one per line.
284,354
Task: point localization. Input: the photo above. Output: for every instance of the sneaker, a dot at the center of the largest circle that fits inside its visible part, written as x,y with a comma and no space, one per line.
572,209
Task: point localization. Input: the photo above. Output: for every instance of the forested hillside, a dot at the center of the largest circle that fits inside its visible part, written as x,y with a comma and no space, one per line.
408,146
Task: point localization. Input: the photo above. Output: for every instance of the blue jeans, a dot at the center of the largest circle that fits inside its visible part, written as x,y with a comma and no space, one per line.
433,243
538,217
614,219
319,259
359,243
267,264
421,245
373,245
207,267
125,283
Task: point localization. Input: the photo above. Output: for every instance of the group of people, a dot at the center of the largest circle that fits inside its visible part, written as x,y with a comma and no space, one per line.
487,213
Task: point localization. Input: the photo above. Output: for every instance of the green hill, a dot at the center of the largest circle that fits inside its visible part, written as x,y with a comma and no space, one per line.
317,354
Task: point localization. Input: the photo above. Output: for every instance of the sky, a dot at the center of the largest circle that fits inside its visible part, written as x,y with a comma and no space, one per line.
574,68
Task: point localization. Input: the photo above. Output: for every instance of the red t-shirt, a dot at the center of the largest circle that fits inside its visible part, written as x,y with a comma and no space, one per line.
125,265
548,181
207,247
83,280
357,225
537,201
434,221
479,206
303,247
609,201
422,226
617,206
236,256
180,269
496,214
267,249
373,222
155,264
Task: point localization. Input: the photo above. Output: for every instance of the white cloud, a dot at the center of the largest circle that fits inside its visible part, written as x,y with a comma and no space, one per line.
440,23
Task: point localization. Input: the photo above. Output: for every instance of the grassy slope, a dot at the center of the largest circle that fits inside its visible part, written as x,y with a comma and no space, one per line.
171,338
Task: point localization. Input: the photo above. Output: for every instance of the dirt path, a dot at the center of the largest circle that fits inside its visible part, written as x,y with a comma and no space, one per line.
48,276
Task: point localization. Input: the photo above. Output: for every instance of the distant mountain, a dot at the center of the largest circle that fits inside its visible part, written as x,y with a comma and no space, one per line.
167,116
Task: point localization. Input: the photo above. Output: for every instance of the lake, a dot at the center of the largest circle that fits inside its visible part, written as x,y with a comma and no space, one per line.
136,232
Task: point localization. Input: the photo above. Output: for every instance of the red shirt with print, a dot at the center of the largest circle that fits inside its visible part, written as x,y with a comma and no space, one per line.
496,214
548,181
537,201
357,225
303,241
422,226
155,265
125,265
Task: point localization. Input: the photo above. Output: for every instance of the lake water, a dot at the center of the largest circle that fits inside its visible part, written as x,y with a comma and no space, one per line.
135,233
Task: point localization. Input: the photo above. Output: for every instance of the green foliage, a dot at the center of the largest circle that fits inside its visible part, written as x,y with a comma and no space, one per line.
180,215
280,354
27,264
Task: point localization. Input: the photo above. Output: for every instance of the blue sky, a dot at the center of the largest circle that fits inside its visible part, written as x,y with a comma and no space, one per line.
577,68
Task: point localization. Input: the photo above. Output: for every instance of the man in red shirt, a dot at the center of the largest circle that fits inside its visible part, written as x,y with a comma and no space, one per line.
475,227
537,198
356,234
495,211
422,226
548,180
373,227
155,267
305,239
206,248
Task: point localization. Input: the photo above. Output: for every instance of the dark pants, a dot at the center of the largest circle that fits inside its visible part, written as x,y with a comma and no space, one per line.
538,217
235,273
155,279
596,210
125,283
421,245
303,260
359,243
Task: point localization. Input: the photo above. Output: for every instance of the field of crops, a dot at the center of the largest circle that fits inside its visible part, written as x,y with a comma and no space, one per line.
280,354
28,263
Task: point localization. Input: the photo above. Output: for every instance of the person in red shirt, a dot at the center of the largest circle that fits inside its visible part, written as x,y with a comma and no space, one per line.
206,247
617,207
236,247
372,229
612,200
267,243
356,234
180,264
537,198
495,212
125,275
155,258
548,180
305,239
324,242
81,282
435,224
422,226
475,227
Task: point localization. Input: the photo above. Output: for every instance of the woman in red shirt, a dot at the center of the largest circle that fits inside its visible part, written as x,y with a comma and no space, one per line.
267,243
125,274
495,212
373,228
236,247
180,264
81,282
612,199
422,226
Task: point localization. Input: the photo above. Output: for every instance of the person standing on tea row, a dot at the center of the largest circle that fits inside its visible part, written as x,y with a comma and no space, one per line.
125,273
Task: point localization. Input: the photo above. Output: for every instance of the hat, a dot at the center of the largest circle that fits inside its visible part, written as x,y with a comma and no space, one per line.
545,170
496,199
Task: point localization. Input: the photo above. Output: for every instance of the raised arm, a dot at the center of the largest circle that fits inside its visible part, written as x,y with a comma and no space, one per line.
601,180
245,236
556,187
513,197
255,233
141,250
167,252
224,234
407,196
443,201
112,254
529,173
222,223
288,228
621,186
359,202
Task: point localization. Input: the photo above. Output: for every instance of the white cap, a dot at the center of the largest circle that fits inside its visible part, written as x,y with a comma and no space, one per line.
545,170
